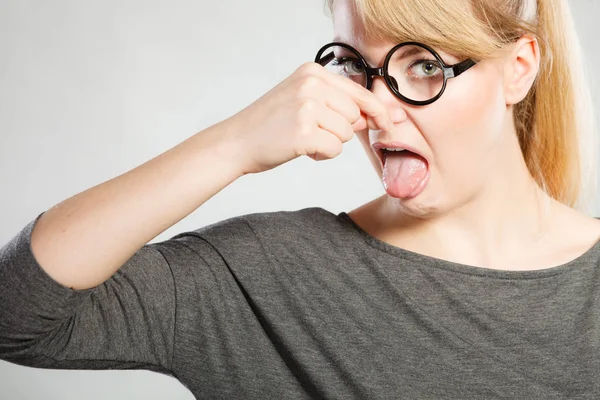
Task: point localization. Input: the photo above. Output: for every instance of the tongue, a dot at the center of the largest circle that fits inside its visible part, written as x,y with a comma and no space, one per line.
403,171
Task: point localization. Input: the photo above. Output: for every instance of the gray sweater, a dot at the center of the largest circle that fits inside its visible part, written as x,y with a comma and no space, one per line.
306,305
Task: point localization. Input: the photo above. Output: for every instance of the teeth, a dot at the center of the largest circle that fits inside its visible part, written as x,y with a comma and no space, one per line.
393,149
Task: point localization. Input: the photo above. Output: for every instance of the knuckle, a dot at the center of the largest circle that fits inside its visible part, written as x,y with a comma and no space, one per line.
349,133
303,133
335,150
309,150
344,131
307,109
356,113
308,86
308,69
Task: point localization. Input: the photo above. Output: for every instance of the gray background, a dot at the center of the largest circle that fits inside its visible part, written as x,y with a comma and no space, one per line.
91,89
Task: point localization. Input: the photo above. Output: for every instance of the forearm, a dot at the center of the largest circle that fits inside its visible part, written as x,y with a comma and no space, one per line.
84,240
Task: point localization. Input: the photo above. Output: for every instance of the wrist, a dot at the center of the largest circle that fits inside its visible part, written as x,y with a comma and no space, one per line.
221,142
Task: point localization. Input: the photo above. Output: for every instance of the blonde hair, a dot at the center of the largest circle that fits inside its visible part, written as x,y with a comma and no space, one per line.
554,123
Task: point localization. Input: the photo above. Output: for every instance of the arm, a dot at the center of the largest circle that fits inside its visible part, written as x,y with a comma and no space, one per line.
84,240
78,286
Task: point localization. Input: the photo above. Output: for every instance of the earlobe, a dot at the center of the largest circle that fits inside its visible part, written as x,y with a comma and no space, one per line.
522,66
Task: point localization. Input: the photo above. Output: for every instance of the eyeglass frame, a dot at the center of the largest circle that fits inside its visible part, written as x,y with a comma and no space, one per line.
450,71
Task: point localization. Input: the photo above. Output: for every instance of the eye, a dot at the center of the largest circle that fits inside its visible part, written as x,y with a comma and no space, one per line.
351,66
425,69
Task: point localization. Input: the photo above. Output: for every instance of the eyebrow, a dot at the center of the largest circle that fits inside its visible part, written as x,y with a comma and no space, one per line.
338,39
411,52
406,53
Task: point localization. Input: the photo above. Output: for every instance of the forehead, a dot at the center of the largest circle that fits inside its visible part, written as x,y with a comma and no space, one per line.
346,22
348,28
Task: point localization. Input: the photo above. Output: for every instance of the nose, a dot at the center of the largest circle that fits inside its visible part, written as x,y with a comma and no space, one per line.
396,106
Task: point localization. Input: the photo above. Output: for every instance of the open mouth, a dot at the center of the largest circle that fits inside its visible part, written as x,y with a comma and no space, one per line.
405,172
384,150
384,153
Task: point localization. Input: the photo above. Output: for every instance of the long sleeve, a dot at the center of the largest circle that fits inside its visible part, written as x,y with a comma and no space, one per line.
306,305
127,322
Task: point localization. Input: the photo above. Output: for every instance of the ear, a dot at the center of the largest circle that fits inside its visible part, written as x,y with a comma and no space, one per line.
521,68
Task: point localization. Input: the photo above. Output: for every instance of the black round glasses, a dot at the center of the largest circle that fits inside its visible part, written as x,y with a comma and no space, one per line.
413,71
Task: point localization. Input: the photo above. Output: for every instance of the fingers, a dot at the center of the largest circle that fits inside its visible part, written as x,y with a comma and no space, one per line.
335,123
325,146
339,106
340,102
367,102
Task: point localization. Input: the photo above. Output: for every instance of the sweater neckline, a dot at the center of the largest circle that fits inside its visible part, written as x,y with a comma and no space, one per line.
590,257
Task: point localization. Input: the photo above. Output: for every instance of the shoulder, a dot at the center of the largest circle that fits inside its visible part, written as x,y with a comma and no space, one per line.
283,235
308,220
277,226
573,235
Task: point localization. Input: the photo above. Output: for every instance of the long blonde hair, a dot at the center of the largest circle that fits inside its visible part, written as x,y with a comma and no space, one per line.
554,123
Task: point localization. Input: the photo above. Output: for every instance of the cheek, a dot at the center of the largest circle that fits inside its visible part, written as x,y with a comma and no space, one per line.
466,124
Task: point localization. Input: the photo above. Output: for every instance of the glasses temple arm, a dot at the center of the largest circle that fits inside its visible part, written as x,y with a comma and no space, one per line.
461,67
325,59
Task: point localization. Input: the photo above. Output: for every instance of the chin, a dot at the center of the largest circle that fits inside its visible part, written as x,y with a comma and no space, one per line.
417,207
429,204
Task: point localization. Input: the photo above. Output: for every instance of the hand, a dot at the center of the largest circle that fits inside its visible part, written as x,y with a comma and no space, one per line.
312,112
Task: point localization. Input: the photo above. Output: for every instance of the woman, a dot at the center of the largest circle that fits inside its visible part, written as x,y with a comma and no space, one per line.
472,277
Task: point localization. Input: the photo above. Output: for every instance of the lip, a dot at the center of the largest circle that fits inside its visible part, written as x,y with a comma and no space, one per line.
378,146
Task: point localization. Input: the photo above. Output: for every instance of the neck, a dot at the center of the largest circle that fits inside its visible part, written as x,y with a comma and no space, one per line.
508,217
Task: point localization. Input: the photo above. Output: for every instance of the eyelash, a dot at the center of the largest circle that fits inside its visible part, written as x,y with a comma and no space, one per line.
341,61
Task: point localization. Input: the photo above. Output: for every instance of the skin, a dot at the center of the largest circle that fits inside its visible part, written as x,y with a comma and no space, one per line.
481,206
